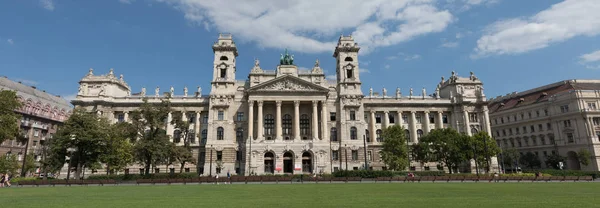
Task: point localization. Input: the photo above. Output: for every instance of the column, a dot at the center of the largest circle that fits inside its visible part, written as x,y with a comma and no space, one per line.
324,115
440,120
126,116
413,127
386,119
260,119
296,120
250,119
197,126
467,128
183,118
399,119
372,125
426,126
486,118
278,120
169,127
315,125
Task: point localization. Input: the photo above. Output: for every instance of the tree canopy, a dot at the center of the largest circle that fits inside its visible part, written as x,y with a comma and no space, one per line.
394,150
9,125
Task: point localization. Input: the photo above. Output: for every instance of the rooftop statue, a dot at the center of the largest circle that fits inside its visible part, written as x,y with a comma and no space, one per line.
286,59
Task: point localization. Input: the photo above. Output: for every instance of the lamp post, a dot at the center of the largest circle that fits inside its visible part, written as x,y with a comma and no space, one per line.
487,159
346,155
365,143
210,166
408,151
475,158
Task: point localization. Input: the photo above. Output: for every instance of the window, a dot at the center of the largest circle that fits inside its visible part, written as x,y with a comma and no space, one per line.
564,108
510,132
121,117
204,136
220,115
191,117
177,136
546,112
548,126
537,113
239,135
205,118
353,133
502,120
519,143
498,133
517,130
431,119
532,128
378,133
596,121
36,133
503,132
391,118
35,143
334,155
377,118
445,119
367,135
332,116
543,140
269,121
570,138
418,118
156,170
419,133
223,73
370,156
223,58
304,126
220,133
349,72
219,155
540,127
545,153
567,123
524,129
522,116
473,117
495,121
592,106
407,135
354,155
286,125
348,59
515,117
192,136
404,118
353,115
534,141
333,134
474,131
240,116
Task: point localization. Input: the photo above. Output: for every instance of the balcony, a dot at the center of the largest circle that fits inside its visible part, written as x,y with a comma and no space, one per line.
25,123
40,126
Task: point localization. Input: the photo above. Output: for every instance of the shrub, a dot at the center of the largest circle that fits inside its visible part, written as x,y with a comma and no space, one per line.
594,174
383,173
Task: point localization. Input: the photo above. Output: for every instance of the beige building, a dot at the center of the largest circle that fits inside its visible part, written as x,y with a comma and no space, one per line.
560,118
42,114
288,120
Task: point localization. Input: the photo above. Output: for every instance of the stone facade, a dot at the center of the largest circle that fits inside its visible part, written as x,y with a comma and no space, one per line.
560,118
289,120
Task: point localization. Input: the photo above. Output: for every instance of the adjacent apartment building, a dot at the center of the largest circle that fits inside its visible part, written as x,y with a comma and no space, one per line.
559,118
289,120
42,114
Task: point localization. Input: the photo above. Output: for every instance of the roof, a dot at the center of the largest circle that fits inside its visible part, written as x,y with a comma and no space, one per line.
540,94
30,92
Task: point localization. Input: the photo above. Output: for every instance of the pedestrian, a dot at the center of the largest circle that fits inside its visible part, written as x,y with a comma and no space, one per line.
217,177
7,178
228,177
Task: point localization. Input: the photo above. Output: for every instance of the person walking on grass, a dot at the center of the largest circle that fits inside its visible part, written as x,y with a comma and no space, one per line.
228,177
217,177
7,178
2,178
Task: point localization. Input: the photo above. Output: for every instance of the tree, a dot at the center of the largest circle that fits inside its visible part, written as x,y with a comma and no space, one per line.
82,138
9,126
119,148
530,160
153,146
554,160
29,163
485,147
511,157
9,164
394,149
584,157
182,154
445,146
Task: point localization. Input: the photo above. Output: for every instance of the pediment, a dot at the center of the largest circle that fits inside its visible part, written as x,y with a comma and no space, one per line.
288,83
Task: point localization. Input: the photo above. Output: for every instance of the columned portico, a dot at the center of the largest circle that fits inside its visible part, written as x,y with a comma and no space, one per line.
413,126
426,126
260,135
440,121
250,119
278,120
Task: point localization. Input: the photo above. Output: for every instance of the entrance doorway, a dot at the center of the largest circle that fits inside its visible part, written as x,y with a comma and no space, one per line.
288,162
269,162
306,162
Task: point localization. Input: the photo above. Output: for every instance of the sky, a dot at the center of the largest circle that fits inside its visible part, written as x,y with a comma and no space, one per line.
510,45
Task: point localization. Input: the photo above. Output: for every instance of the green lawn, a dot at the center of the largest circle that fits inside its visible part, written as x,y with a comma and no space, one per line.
311,195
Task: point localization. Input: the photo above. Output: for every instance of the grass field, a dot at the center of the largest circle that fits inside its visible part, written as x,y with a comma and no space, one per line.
478,195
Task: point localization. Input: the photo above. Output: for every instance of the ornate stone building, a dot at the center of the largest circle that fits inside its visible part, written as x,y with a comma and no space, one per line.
560,118
42,114
289,120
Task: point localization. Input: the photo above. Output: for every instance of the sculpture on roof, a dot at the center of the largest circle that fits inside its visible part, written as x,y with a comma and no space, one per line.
79,91
143,94
101,93
453,77
199,92
185,91
423,92
371,92
111,72
121,78
156,91
398,93
317,63
472,77
437,92
411,92
384,92
172,91
286,59
91,72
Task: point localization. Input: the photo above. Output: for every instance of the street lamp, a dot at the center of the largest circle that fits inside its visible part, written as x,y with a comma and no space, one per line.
210,167
475,158
346,155
365,143
487,159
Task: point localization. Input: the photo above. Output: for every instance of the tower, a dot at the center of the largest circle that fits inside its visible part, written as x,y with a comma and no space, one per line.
347,69
224,63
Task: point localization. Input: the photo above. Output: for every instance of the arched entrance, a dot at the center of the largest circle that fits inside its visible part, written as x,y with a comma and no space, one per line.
573,161
307,162
288,162
269,162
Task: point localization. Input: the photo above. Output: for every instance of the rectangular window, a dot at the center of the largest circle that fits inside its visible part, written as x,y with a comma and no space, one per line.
445,119
517,129
370,156
219,155
515,117
596,121
353,115
404,119
391,118
240,116
332,116
540,127
498,133
529,115
546,112
537,113
473,117
564,108
545,153
522,116
238,155
431,119
354,155
36,133
221,115
377,118
502,120
570,138
510,132
418,118
567,123
334,155
121,117
524,129
592,106
548,126
205,119
503,132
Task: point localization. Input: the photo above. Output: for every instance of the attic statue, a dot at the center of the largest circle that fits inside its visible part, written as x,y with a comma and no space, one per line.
286,59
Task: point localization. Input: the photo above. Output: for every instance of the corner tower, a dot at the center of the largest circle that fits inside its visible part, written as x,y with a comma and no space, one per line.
348,76
224,63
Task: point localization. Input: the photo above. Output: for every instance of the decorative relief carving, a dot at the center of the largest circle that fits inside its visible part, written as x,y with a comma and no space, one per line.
288,85
352,100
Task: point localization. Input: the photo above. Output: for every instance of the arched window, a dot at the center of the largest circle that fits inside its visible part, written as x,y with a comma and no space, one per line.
204,136
407,135
269,126
176,136
220,133
305,126
223,73
349,72
333,134
239,135
353,133
348,59
419,133
379,138
474,131
223,58
286,123
368,135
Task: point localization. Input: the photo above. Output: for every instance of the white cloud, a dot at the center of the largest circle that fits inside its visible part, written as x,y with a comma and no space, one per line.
126,1
10,41
591,57
560,22
406,57
47,4
363,70
450,44
413,57
331,76
70,97
312,26
387,66
26,81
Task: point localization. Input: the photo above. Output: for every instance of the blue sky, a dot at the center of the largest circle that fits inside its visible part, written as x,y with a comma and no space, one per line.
510,45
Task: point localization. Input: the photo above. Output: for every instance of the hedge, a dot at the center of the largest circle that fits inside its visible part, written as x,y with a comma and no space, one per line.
554,172
133,177
382,173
